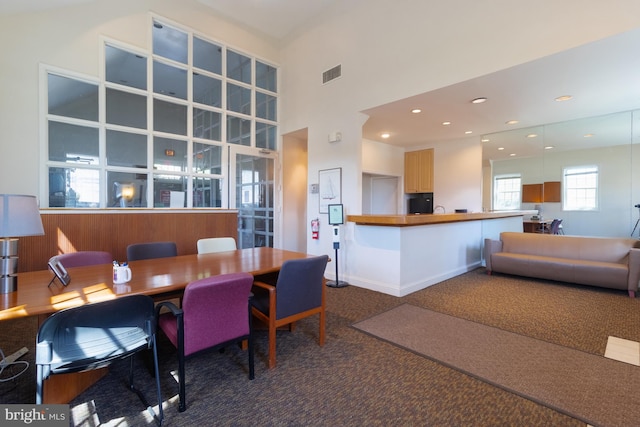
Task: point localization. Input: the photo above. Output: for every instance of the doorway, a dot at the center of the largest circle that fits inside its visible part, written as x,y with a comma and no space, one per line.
252,182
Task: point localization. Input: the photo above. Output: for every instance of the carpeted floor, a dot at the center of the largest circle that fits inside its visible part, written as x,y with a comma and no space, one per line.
356,379
586,386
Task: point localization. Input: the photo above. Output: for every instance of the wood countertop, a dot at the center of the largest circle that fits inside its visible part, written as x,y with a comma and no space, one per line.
427,219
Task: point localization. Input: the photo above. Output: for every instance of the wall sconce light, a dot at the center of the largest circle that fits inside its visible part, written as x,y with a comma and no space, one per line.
19,217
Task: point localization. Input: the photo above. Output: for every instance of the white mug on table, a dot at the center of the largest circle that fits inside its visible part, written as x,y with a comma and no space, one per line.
121,274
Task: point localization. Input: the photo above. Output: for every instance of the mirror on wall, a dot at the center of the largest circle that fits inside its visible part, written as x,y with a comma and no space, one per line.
584,170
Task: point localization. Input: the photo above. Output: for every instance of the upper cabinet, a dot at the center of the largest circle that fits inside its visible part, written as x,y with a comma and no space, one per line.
538,193
418,171
532,193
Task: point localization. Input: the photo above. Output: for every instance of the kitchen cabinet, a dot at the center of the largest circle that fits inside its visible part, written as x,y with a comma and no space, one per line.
532,193
549,192
418,171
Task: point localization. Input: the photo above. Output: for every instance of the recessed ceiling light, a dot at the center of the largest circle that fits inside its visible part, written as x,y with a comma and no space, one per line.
446,123
532,135
500,148
564,98
512,154
479,100
549,147
416,111
589,135
385,135
485,140
511,122
468,132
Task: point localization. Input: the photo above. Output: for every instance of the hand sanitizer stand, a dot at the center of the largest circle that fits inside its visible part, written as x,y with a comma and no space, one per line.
336,218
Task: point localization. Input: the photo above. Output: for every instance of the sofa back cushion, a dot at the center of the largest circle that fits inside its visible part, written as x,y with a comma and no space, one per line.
605,249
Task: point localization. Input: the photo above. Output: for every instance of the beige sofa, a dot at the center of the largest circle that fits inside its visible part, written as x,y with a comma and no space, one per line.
596,261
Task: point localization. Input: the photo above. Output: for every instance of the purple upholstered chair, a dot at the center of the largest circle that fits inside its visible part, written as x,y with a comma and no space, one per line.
82,258
215,312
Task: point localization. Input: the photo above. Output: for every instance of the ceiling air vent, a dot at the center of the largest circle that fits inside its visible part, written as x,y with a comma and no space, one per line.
331,74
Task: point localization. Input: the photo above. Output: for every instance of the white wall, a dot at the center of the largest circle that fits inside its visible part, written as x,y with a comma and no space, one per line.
393,50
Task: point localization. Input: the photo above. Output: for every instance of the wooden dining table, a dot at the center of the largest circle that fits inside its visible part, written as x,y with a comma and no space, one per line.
161,278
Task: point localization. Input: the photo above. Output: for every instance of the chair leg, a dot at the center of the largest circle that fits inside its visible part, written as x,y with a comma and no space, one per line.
39,387
159,418
322,328
157,371
272,344
250,343
182,406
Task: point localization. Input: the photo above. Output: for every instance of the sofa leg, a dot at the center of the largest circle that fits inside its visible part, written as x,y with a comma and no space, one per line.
632,294
489,272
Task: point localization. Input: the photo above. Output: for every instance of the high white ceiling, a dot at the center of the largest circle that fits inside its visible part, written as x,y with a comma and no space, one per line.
602,77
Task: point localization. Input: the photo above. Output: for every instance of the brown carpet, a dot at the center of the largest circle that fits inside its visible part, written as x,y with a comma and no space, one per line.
356,379
588,387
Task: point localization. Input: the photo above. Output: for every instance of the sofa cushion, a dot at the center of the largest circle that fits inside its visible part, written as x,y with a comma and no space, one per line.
604,249
597,273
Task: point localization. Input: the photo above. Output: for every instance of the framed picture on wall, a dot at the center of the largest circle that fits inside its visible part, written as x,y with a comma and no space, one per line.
330,181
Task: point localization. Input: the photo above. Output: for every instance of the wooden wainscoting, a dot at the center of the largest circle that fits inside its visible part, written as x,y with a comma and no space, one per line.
113,231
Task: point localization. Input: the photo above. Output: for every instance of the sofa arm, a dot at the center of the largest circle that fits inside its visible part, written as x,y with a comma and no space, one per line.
490,247
634,271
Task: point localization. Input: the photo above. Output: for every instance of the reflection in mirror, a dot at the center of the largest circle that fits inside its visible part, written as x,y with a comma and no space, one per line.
72,98
126,189
207,56
126,109
587,167
125,68
170,42
126,149
169,80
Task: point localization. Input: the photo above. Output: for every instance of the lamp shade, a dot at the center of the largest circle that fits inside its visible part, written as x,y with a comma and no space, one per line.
19,216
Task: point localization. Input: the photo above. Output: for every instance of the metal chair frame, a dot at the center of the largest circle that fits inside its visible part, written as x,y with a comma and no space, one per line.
95,335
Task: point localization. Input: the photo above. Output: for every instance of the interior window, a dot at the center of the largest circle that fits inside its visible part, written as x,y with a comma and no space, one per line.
168,113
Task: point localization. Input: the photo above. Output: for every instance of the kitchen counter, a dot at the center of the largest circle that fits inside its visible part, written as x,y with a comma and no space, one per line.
400,254
426,219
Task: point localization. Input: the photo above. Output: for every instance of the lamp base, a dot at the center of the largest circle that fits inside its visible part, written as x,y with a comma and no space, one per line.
8,284
8,265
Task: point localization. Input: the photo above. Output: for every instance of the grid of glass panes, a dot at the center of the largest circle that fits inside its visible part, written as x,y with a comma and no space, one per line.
506,191
580,188
199,101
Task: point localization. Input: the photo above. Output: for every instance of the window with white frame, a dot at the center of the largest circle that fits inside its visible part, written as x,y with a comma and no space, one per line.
151,131
506,192
580,188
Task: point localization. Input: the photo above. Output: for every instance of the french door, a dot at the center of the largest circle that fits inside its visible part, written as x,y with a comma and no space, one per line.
251,191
